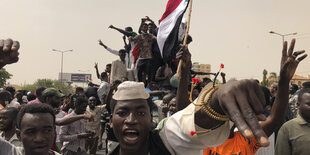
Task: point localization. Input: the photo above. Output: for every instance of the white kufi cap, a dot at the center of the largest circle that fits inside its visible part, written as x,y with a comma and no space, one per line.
130,90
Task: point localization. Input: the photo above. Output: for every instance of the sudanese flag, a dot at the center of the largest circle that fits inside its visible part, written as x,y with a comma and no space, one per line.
167,37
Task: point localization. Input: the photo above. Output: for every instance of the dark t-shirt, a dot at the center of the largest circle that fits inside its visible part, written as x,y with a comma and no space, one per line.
156,146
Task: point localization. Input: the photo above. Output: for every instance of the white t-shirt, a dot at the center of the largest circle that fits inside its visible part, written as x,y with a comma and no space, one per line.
118,71
103,90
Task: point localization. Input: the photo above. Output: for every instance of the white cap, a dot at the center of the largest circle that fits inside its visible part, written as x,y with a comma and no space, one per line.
130,90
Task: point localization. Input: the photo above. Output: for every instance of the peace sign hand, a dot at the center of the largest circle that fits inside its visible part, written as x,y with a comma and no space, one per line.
289,62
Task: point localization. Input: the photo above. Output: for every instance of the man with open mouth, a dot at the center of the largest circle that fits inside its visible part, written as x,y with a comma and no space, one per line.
190,130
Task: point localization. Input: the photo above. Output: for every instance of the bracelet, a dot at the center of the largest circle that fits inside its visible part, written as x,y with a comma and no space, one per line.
211,112
202,97
214,116
205,105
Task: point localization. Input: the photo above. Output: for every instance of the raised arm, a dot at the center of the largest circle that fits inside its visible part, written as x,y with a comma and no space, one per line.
142,22
8,52
151,21
102,44
239,101
115,52
289,64
242,100
126,33
68,120
97,70
182,99
126,46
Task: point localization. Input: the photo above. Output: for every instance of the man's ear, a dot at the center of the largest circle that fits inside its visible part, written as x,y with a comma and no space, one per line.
18,134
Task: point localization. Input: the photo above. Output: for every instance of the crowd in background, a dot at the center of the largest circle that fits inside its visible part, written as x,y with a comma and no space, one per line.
83,118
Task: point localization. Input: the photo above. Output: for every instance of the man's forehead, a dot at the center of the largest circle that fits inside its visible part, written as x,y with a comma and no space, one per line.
132,103
40,119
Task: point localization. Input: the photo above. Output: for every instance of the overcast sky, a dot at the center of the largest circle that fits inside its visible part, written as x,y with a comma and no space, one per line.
234,32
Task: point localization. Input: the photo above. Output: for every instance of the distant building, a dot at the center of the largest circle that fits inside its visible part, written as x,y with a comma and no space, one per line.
206,68
17,87
75,79
297,79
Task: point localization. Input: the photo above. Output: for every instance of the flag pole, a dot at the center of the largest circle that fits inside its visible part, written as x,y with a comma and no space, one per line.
178,74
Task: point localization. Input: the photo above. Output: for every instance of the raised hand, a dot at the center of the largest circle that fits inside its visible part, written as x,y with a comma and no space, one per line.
101,43
96,65
148,18
289,62
241,101
8,52
111,26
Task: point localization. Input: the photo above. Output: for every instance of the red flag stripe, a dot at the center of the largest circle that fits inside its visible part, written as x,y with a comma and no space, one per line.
135,53
171,6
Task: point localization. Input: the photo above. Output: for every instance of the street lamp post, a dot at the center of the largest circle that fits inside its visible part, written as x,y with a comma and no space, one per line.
282,35
62,55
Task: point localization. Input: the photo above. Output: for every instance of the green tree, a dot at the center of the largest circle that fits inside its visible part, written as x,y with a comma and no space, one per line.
273,77
44,83
29,87
4,76
65,88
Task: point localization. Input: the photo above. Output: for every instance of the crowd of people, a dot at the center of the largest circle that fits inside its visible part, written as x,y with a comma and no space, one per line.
144,109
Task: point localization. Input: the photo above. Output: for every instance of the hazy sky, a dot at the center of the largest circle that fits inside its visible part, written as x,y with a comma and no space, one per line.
233,32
